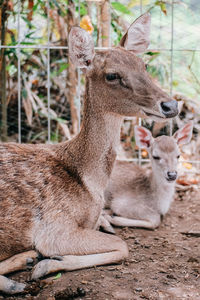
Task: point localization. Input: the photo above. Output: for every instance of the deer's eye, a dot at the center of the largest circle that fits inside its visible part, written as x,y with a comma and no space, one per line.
146,66
178,156
112,76
156,157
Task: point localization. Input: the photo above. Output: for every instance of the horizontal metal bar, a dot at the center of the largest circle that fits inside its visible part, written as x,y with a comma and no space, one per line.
33,47
148,160
96,48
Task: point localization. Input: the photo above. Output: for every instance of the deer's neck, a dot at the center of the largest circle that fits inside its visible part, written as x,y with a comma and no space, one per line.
91,154
163,192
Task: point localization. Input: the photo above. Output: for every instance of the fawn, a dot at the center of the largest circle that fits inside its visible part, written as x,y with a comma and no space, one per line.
139,199
51,196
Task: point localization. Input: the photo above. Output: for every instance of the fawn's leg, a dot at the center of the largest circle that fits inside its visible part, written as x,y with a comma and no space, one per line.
125,222
87,248
12,264
104,223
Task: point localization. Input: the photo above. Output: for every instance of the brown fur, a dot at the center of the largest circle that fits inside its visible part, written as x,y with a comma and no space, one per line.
51,196
165,144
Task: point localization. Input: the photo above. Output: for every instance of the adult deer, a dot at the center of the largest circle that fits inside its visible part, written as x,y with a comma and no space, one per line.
138,199
51,196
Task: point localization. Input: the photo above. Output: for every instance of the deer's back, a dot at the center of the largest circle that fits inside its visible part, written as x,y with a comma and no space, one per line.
129,190
126,175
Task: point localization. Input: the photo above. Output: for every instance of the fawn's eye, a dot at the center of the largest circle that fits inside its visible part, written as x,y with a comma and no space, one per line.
178,156
112,76
79,56
156,157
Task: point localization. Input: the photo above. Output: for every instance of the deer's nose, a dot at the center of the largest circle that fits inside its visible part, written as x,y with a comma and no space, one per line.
171,176
169,109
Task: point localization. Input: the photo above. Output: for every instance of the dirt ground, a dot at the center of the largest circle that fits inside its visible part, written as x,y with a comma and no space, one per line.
163,264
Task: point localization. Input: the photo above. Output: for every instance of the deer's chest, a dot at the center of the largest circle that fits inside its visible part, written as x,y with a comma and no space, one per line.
164,201
90,211
91,205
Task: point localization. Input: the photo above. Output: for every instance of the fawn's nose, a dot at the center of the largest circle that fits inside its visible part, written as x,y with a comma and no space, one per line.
170,108
171,176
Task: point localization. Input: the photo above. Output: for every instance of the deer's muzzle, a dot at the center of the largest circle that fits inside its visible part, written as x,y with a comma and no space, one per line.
171,176
170,108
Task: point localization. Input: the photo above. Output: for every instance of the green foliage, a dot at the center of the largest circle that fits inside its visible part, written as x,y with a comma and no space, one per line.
162,5
186,64
61,65
24,93
83,9
57,276
117,32
120,8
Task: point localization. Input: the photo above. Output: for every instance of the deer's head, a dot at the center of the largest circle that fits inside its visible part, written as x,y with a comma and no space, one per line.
164,150
117,79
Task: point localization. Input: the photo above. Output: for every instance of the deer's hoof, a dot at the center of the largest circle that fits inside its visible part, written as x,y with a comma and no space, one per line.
40,270
11,287
108,228
106,225
29,261
46,267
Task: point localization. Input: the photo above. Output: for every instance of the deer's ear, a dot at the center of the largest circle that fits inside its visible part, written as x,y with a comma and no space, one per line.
184,134
143,137
137,37
81,47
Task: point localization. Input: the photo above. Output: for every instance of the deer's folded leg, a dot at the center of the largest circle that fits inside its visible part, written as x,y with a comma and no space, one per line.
9,286
125,222
93,249
15,263
18,262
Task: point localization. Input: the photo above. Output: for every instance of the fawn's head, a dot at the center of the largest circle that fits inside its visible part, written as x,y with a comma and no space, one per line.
117,78
164,150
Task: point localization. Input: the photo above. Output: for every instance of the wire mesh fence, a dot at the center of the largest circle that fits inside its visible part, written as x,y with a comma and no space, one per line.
173,45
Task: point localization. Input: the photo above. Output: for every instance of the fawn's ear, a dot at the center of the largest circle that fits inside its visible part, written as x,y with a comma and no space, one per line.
81,47
137,37
184,134
143,137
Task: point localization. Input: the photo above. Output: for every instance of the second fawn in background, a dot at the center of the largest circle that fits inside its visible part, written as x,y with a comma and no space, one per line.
138,199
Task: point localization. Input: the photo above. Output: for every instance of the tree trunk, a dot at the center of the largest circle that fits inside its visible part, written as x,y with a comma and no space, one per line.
99,34
71,74
105,23
89,9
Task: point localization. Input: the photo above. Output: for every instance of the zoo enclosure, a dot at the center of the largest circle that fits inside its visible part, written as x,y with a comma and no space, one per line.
162,47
